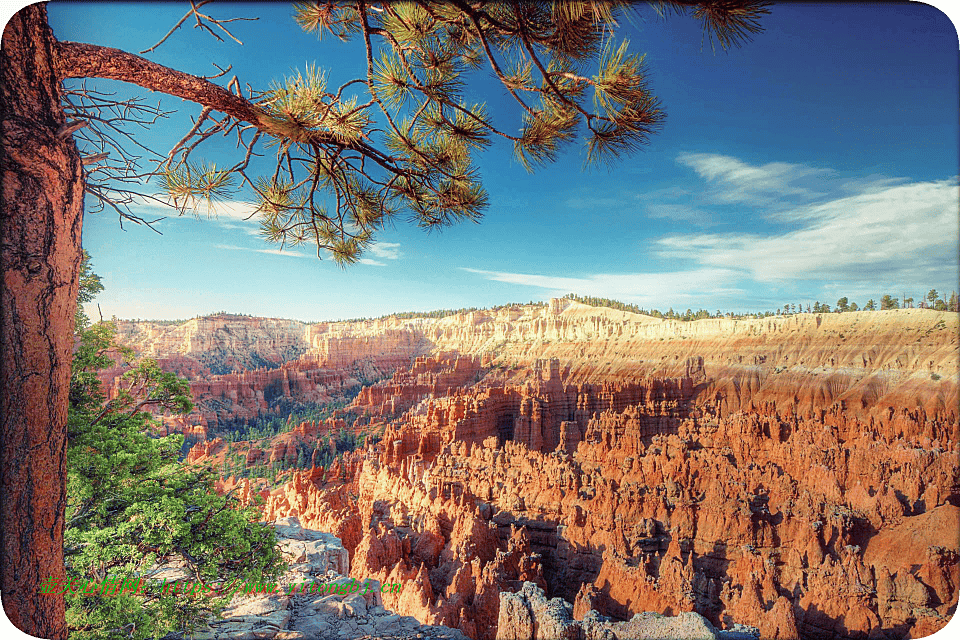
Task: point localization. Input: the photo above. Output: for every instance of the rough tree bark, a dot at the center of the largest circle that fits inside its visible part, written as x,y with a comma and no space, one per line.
40,254
80,60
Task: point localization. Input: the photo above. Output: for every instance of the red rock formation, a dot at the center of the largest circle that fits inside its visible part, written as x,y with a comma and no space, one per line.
307,363
427,377
796,474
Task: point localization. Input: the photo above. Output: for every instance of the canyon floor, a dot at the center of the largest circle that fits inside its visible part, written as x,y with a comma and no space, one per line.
787,477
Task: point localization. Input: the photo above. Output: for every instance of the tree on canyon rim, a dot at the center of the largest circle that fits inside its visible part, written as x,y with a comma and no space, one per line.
345,165
132,504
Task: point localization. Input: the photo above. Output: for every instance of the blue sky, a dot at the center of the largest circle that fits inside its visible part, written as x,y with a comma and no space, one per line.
819,160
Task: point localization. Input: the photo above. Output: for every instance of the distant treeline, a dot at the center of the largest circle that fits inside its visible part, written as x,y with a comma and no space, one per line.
933,300
443,313
160,322
218,314
689,314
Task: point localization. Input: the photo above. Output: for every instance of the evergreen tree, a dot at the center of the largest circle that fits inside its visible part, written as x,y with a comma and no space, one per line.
132,506
90,286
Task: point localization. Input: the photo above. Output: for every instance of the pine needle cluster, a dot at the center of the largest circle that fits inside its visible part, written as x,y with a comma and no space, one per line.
401,138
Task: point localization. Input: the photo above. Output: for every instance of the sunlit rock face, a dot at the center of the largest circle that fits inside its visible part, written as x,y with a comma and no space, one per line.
242,368
313,599
793,475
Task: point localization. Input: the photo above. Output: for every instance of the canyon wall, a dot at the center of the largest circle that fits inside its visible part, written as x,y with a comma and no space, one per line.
221,343
242,368
794,474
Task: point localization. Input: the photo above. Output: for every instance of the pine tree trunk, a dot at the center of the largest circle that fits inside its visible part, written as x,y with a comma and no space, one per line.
40,253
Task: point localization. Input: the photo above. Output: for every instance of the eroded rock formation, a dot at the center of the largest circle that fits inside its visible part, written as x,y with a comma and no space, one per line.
797,475
242,368
287,611
528,615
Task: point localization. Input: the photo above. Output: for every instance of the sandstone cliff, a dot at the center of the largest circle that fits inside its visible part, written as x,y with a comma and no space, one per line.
242,368
222,343
794,474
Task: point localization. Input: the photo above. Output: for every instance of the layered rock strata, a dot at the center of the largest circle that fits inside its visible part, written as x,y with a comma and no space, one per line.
220,343
794,474
243,368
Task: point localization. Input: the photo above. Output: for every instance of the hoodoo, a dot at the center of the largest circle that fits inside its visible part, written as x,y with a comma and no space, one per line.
792,476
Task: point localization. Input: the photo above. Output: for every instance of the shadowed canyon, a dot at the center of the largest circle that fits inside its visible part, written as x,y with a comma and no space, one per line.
787,477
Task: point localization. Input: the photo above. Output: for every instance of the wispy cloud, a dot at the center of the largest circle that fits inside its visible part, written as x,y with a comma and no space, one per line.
822,235
386,250
736,181
249,229
285,252
900,233
275,252
231,210
225,211
240,216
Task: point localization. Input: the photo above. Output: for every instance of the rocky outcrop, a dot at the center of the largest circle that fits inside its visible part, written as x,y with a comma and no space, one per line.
529,615
321,551
242,368
796,474
287,611
427,377
242,397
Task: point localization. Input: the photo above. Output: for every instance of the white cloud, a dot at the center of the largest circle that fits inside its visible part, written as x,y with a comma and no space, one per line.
250,230
284,252
823,235
275,252
737,181
903,234
233,210
220,211
383,250
386,250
